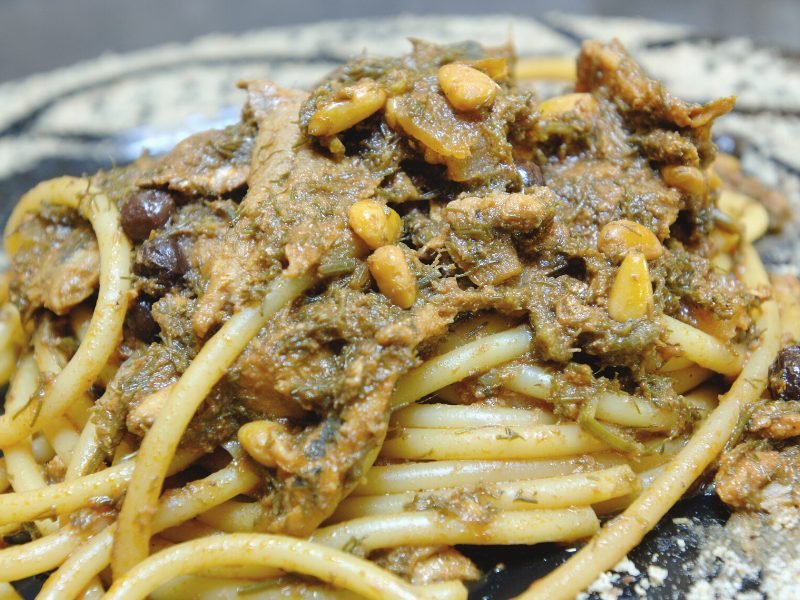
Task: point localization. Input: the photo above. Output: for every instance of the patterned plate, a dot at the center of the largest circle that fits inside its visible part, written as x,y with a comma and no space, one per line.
107,111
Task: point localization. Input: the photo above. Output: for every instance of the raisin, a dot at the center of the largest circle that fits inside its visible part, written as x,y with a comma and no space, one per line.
784,374
144,211
140,320
162,257
529,173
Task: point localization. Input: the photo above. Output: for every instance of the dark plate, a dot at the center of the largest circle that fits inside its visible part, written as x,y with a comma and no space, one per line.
104,112
687,522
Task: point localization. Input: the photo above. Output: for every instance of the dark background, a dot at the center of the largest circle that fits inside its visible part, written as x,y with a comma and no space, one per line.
40,35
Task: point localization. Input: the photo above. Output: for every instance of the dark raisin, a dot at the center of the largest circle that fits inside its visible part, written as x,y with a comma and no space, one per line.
784,374
144,211
162,257
23,536
729,144
529,173
140,320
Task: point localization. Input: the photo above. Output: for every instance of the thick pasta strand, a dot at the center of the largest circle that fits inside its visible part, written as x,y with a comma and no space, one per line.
233,517
260,549
189,530
41,449
5,281
11,339
200,587
38,556
4,482
612,406
68,496
24,472
473,329
561,68
685,380
578,489
205,587
64,498
7,592
8,361
93,591
51,362
428,527
27,476
748,212
491,442
80,568
176,507
61,435
390,479
702,348
86,453
464,416
674,364
79,412
462,362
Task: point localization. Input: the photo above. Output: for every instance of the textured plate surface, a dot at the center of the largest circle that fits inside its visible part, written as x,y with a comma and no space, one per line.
107,111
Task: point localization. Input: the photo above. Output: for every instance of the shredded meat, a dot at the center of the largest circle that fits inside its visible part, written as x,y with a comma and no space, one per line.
755,476
427,564
608,67
60,266
777,420
211,163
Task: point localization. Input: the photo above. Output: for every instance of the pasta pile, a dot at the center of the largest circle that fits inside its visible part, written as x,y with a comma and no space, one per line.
486,439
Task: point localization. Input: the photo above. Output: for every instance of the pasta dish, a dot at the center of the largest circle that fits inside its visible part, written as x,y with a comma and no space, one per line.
418,307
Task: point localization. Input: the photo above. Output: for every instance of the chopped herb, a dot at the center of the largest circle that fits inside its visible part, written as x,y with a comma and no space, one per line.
508,434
